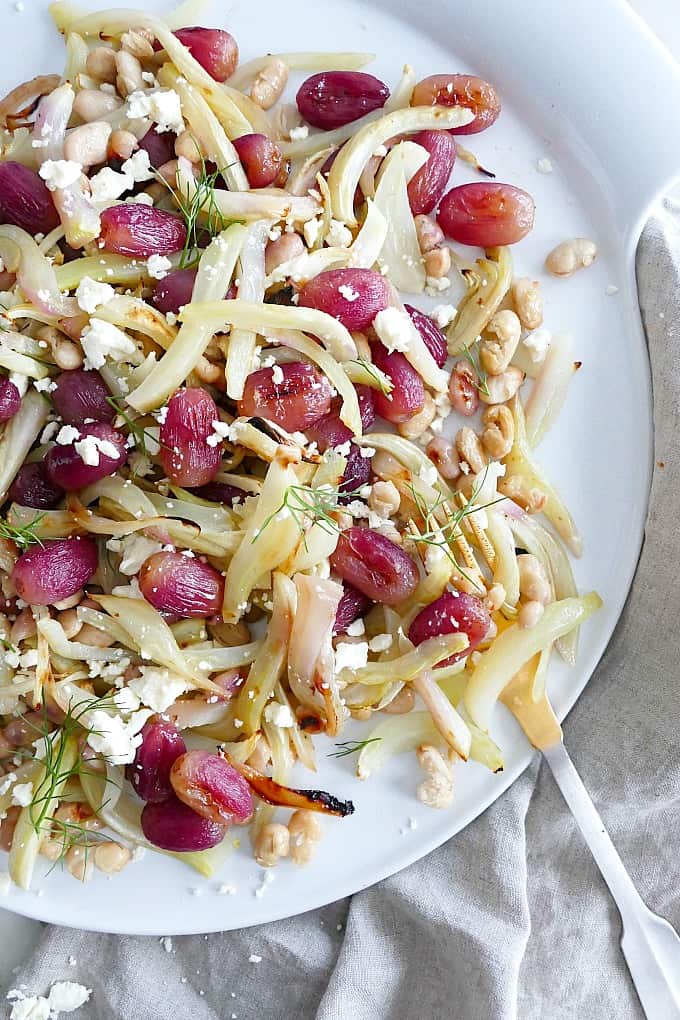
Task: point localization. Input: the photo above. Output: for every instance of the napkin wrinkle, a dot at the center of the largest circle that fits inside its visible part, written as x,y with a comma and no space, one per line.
510,919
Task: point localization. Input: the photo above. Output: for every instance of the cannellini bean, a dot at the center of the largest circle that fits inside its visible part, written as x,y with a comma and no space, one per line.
91,104
437,790
111,857
438,262
207,372
500,388
420,422
470,453
88,144
384,498
531,499
528,301
185,145
286,247
498,434
305,835
530,614
495,597
496,353
533,579
443,454
101,64
122,143
569,256
430,234
464,388
129,73
271,844
269,84
79,863
402,703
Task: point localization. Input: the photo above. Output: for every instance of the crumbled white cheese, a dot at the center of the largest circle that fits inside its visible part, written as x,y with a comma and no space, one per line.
344,449
91,448
279,715
135,550
90,294
112,737
297,134
311,231
611,289
141,199
350,655
45,385
67,435
544,165
158,688
380,643
7,782
444,315
22,794
435,284
108,185
221,431
348,293
126,701
67,996
339,235
101,340
394,329
29,1007
537,343
277,375
138,167
60,173
158,266
163,106
356,629
428,474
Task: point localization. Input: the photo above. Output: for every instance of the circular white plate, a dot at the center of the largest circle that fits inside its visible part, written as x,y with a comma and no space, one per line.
599,453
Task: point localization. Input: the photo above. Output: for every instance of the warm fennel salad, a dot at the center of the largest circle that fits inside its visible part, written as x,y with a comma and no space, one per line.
250,490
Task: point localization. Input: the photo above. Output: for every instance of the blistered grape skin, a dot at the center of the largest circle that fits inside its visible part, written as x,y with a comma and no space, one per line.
465,90
141,231
48,573
486,214
431,334
186,456
10,399
352,296
428,184
161,745
81,394
374,565
172,825
453,613
261,159
300,397
212,788
407,395
174,291
66,467
25,200
332,99
32,487
181,585
351,606
214,49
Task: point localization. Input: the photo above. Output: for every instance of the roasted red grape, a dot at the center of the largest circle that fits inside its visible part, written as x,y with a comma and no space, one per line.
214,49
453,613
486,214
212,787
407,395
352,296
181,585
161,745
460,90
374,565
300,397
428,184
54,571
187,457
141,231
333,98
261,159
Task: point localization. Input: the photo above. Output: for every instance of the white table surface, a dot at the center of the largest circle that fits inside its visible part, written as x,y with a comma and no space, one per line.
17,934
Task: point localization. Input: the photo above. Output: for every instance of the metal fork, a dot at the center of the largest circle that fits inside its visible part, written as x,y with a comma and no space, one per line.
651,947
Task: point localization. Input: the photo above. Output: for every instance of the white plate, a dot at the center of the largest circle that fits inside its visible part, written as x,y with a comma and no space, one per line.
595,93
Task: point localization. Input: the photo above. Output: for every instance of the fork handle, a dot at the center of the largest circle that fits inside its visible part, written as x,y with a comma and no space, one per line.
650,945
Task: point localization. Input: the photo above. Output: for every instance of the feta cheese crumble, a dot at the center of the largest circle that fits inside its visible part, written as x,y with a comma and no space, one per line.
444,315
135,550
348,293
22,794
163,106
60,173
350,655
394,329
537,344
339,235
158,688
90,449
279,715
544,165
101,340
297,134
158,266
138,167
112,737
90,294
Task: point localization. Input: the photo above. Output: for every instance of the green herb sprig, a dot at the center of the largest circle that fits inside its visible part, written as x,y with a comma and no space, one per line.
23,536
200,211
348,747
471,355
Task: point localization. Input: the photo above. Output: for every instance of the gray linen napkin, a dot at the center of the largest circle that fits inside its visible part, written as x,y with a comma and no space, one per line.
510,918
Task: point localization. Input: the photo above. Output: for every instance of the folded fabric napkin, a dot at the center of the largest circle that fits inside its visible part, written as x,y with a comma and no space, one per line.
510,918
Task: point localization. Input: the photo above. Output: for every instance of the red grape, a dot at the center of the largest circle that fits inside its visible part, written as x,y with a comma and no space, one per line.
32,487
10,398
407,395
452,613
173,291
25,200
185,454
488,215
214,49
430,333
375,566
333,98
67,468
48,573
351,606
80,395
427,185
173,826
352,296
161,745
212,787
300,399
141,231
261,159
181,585
460,90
